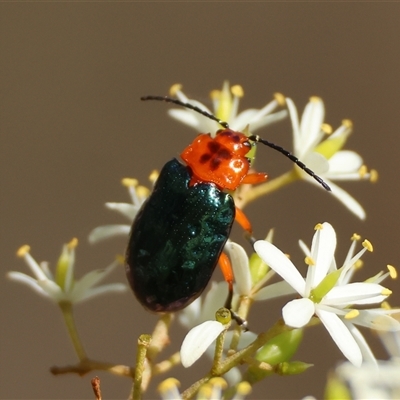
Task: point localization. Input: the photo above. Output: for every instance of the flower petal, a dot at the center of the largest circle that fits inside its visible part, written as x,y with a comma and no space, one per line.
93,292
272,291
341,336
240,266
27,280
278,261
198,340
297,313
310,125
126,209
107,231
345,161
366,351
347,200
89,280
355,293
322,253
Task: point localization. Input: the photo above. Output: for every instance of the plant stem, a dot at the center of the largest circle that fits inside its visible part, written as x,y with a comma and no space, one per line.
67,311
268,187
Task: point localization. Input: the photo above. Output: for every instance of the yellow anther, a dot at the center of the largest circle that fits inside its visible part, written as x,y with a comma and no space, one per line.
386,292
309,261
237,91
385,305
315,99
352,314
368,245
205,392
243,388
175,88
326,128
318,227
363,171
120,258
392,271
373,175
218,381
142,191
73,243
168,384
23,250
280,98
347,123
153,176
130,182
215,94
355,237
358,264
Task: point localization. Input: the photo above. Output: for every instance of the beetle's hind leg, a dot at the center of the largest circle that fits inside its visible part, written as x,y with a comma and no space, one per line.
226,269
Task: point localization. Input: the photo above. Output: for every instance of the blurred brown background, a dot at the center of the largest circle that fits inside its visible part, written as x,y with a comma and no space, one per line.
72,126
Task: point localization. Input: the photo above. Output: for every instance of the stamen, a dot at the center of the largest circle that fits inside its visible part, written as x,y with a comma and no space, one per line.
309,261
386,292
120,259
352,314
392,271
363,171
315,99
215,94
177,87
153,176
347,123
280,98
358,264
218,381
23,250
168,384
368,245
237,91
373,175
142,191
355,237
72,244
326,128
130,182
385,305
243,388
318,226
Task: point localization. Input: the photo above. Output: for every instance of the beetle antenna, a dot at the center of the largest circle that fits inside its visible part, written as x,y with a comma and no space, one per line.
256,138
186,105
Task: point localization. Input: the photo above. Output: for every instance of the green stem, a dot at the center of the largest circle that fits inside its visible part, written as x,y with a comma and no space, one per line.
67,311
268,187
143,344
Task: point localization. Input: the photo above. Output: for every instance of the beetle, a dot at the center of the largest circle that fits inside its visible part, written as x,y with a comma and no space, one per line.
178,236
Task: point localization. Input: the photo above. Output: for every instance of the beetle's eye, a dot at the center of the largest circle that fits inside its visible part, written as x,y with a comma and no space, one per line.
247,144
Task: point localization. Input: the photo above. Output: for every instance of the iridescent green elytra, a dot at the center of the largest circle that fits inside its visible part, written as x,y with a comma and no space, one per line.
176,240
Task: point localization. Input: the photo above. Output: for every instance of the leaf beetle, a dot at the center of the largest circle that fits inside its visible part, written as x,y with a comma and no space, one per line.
178,236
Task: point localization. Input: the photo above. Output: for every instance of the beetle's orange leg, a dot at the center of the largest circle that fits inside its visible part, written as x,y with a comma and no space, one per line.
255,177
226,269
243,221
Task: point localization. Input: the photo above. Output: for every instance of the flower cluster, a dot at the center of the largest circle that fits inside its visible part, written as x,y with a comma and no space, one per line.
327,294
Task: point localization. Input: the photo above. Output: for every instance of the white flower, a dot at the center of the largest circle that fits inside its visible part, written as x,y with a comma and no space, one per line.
63,287
226,104
371,381
324,156
199,315
138,196
328,297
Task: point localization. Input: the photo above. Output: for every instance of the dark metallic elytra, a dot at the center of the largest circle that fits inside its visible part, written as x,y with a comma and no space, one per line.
176,239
